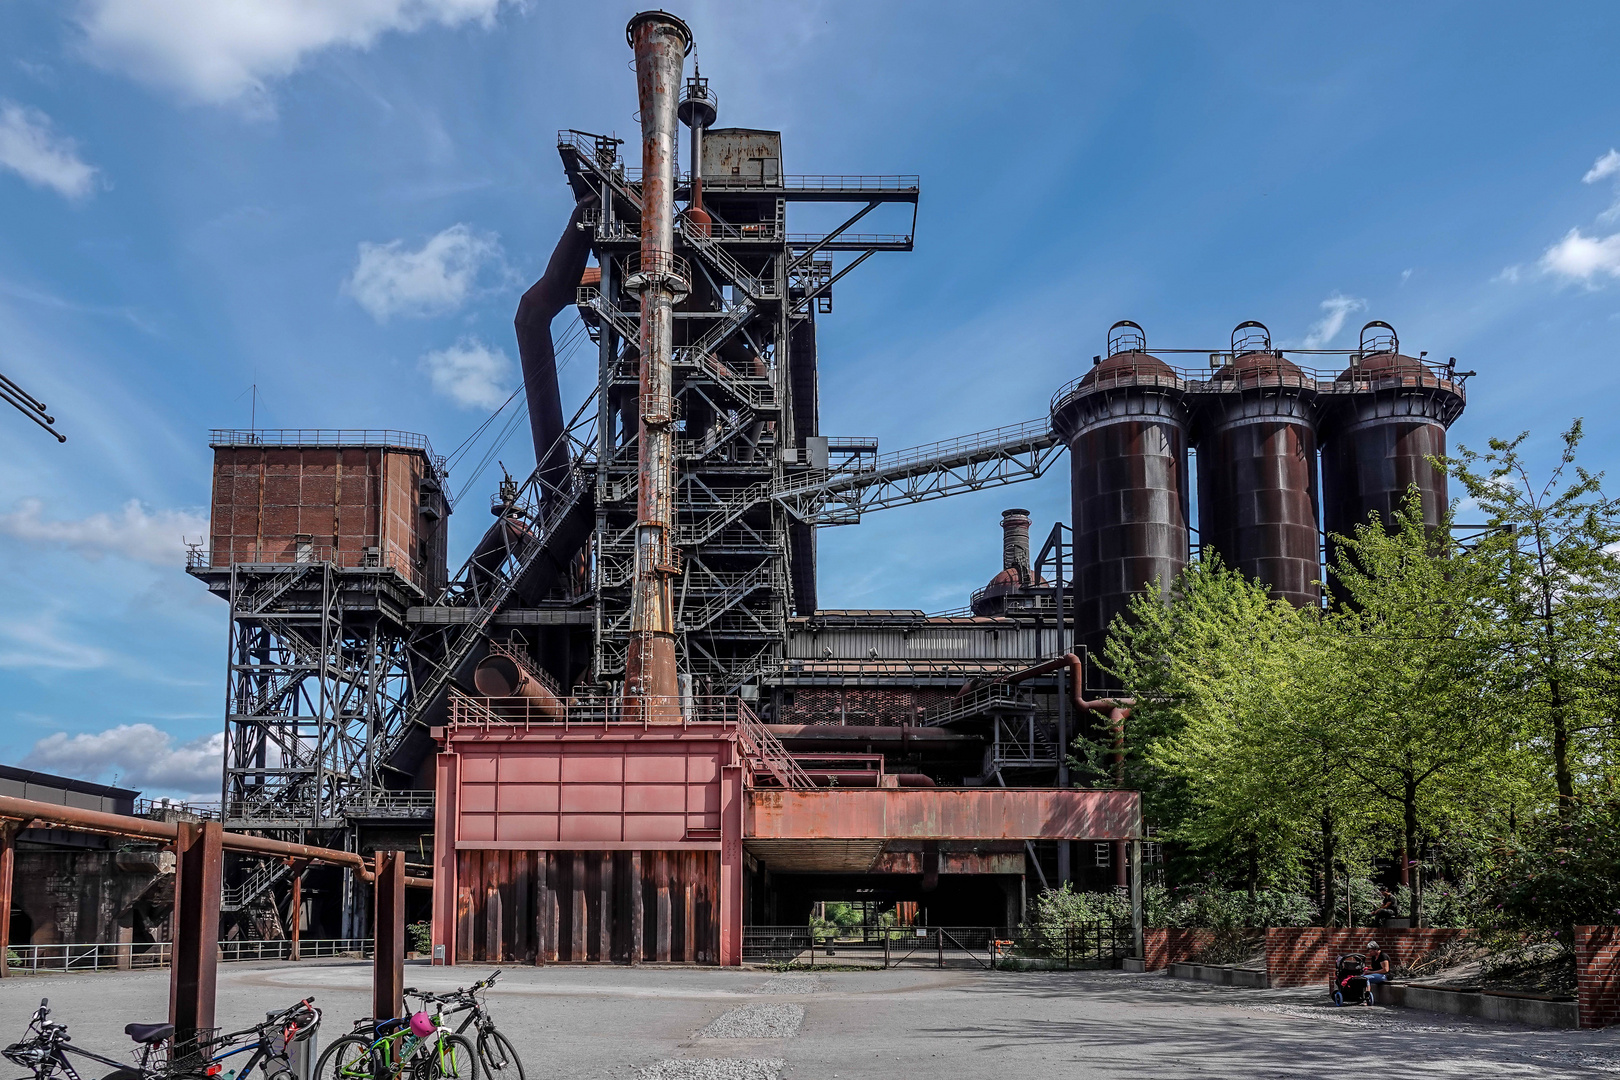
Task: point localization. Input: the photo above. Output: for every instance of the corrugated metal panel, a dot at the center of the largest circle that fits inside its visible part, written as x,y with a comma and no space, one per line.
1002,641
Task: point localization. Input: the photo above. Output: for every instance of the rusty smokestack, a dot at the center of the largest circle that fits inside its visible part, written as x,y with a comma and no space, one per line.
661,42
1015,543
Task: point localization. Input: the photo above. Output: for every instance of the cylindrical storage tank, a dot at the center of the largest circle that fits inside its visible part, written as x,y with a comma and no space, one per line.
1382,419
1126,426
1255,429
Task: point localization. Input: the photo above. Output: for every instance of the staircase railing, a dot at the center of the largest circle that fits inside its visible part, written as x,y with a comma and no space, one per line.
765,752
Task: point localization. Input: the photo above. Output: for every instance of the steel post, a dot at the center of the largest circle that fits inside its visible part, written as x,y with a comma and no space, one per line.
445,885
296,913
1138,948
8,864
194,954
731,864
388,962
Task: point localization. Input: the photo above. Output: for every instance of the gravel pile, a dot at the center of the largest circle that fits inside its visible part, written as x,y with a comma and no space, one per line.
713,1069
756,1022
790,984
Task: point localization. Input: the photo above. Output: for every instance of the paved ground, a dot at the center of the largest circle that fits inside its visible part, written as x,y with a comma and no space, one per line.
682,1024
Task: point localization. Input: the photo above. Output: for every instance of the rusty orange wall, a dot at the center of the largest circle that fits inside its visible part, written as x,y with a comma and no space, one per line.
943,814
601,794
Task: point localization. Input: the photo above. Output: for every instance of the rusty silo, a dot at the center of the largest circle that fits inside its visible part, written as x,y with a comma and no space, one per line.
1256,437
1386,415
1126,425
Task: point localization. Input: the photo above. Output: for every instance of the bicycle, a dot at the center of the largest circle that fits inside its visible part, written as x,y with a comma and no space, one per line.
44,1047
496,1054
385,1050
272,1042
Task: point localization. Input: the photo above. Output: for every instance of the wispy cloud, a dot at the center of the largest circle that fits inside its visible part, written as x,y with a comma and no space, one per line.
470,373
1604,167
216,53
31,148
1335,309
132,533
436,278
34,642
1578,257
134,755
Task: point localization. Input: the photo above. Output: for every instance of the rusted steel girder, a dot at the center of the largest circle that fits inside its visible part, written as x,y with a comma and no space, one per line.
24,811
651,688
194,952
388,962
8,866
942,814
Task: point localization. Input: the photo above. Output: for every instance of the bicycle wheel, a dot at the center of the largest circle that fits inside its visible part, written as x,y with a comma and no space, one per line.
348,1058
452,1059
498,1057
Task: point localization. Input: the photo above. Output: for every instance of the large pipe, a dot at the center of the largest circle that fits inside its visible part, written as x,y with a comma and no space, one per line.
661,43
500,676
1117,710
554,291
165,832
1015,543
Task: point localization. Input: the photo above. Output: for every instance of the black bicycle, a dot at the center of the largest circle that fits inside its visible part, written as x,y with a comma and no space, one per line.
45,1047
496,1053
270,1044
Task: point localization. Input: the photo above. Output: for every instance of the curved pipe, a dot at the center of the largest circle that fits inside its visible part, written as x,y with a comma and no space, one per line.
1116,710
502,677
540,304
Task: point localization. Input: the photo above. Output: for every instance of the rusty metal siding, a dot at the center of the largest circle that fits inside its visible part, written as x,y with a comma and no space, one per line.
922,641
742,154
921,813
603,793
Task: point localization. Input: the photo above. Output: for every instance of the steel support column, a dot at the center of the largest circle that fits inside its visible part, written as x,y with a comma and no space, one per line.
8,864
447,779
388,964
194,954
1138,948
731,864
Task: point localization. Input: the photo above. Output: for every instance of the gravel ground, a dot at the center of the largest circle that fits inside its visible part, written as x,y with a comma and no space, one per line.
652,1023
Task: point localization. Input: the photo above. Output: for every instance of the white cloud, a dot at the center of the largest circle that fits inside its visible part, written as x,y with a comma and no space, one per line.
1336,309
138,755
1604,167
31,149
470,373
216,52
1509,275
390,280
1578,257
34,642
1406,275
134,533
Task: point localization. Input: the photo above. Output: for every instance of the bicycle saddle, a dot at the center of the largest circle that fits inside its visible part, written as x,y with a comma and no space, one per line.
149,1033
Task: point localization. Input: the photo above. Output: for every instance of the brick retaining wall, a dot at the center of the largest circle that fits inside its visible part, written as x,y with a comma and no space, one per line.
1597,975
1306,955
1173,945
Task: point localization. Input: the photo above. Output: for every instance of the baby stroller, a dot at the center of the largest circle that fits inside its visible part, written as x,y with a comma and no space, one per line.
1350,981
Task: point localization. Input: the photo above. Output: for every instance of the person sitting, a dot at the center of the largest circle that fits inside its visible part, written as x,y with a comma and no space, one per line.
1378,964
1386,908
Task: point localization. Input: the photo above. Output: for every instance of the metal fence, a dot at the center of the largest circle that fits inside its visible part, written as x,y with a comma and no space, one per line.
134,956
1081,946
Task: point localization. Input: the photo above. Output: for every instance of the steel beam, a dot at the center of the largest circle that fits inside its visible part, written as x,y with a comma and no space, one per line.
8,863
194,931
388,926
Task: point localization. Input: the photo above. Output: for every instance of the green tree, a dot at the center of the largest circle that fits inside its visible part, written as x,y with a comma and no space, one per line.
1551,549
1414,716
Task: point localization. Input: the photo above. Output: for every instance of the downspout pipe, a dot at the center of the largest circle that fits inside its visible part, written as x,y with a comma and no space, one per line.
555,290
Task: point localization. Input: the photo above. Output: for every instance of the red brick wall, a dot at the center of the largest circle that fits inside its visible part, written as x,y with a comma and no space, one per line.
1597,975
1305,955
1175,945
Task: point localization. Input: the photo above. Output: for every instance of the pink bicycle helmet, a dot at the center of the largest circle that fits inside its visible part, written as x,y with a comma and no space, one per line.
421,1025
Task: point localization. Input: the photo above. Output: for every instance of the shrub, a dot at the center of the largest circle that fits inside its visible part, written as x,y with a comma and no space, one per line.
1559,873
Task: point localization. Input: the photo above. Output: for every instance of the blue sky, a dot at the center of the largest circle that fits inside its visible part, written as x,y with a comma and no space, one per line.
340,202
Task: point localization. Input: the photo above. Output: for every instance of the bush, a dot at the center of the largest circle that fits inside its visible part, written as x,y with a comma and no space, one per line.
419,937
1559,873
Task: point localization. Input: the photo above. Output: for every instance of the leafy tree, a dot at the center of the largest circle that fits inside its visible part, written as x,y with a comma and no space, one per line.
1552,550
1414,719
1560,872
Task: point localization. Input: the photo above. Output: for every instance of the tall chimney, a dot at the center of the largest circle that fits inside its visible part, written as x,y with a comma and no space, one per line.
1015,543
651,690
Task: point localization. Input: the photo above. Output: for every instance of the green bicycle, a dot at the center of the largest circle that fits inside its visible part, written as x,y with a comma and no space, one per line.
417,1047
